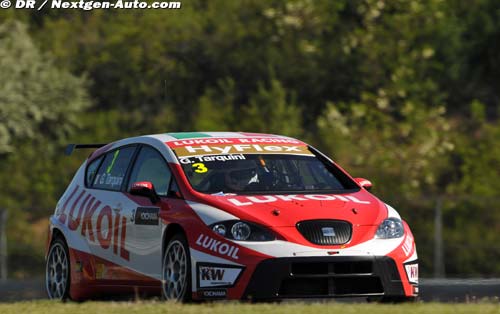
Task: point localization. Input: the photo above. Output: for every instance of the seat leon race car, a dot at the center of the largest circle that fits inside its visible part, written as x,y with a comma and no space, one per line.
222,215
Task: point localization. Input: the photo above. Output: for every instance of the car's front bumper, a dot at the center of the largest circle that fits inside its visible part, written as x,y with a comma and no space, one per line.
325,277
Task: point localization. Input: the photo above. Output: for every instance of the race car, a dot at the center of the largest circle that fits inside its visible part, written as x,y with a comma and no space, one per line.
224,215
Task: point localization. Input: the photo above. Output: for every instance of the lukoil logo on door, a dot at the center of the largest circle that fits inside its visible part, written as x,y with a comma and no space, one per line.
110,229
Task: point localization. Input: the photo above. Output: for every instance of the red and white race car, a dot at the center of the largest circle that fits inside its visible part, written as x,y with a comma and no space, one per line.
223,215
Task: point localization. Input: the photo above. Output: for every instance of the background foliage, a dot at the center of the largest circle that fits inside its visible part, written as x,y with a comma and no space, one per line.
402,92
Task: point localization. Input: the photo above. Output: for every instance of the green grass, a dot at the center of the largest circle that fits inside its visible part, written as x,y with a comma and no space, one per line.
147,307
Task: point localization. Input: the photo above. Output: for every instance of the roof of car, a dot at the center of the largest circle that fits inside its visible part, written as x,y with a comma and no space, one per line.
175,136
176,139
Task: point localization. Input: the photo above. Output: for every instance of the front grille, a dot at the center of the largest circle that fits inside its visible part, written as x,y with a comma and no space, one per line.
342,286
331,268
326,232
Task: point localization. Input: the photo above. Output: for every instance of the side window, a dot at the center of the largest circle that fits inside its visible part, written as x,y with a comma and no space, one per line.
113,169
92,170
150,166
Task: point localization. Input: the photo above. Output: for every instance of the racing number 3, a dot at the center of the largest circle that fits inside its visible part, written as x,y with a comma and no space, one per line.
200,167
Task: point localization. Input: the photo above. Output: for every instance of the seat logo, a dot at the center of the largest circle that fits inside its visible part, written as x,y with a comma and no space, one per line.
328,231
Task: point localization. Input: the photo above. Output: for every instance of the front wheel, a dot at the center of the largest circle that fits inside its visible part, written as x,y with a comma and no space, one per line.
57,271
176,270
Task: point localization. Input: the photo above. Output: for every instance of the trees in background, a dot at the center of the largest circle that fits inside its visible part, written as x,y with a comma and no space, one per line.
400,92
37,100
40,105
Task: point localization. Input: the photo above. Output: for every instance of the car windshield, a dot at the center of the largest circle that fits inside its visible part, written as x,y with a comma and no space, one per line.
264,173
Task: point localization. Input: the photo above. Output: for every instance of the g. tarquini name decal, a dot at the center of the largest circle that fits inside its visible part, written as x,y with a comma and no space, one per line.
147,216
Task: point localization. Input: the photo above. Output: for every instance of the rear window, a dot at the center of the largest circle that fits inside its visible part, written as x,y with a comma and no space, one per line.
113,169
92,170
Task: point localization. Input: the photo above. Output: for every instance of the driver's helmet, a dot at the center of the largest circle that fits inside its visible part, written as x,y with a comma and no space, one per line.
239,178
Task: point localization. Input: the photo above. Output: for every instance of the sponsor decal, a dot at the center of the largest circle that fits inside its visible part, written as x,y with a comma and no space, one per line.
108,180
217,246
147,216
100,271
79,267
407,245
250,200
201,159
110,229
213,294
143,184
328,231
208,141
217,275
192,151
411,269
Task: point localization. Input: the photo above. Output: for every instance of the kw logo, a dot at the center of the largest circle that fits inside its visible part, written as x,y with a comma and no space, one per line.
109,230
217,275
211,273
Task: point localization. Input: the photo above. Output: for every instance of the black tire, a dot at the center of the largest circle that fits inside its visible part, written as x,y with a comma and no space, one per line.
58,271
176,270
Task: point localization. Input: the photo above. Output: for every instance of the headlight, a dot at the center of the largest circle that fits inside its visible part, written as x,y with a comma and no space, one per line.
219,229
390,228
242,231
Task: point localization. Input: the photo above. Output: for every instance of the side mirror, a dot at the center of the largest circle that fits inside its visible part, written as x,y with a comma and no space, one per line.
364,183
145,188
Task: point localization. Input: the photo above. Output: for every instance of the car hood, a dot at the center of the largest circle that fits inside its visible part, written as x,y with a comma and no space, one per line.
286,210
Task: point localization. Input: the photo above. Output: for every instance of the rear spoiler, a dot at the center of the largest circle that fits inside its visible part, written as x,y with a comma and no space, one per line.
71,147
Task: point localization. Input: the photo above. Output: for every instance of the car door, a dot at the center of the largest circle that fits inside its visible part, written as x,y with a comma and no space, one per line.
146,240
107,223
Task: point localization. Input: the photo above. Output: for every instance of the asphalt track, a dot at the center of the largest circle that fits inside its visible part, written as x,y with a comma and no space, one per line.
437,290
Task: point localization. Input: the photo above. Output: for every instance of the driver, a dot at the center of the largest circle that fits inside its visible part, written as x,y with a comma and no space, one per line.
239,179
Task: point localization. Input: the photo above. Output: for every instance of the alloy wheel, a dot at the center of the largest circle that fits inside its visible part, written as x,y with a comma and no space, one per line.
57,272
175,271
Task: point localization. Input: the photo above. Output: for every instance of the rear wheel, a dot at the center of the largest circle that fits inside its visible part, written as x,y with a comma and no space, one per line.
57,271
176,270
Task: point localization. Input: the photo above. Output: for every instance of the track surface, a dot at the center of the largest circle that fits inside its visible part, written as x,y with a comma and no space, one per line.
441,290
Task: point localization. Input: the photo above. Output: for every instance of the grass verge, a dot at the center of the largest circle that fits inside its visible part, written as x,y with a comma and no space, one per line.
53,307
